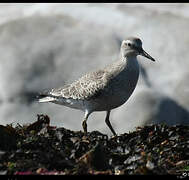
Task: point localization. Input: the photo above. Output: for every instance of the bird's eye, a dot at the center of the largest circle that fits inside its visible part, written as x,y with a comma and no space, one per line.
129,44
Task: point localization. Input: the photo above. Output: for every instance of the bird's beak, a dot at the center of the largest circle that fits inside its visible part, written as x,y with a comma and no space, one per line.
145,54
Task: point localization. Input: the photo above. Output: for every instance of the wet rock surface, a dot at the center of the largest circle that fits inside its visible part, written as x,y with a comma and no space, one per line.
39,148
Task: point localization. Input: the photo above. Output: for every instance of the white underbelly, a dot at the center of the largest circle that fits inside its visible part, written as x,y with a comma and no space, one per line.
72,103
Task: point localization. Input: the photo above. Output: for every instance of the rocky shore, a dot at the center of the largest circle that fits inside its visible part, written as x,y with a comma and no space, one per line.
39,148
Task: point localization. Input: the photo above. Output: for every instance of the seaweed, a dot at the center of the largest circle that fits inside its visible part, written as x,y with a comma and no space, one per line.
39,148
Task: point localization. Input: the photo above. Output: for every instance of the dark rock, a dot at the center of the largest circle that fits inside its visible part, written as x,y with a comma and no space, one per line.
8,137
153,149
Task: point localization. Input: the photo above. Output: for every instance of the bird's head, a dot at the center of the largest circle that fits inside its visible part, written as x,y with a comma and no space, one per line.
132,47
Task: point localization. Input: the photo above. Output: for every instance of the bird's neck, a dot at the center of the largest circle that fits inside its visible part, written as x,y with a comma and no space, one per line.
130,62
124,64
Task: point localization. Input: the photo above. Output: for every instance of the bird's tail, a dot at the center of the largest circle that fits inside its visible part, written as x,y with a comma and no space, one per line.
45,98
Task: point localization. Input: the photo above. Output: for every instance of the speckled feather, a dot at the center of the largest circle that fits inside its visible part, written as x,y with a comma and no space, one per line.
88,85
83,88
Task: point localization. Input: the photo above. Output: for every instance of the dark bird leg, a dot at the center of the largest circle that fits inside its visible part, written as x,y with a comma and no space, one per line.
84,123
108,122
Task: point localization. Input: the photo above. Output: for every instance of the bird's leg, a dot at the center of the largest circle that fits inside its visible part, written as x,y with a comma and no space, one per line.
109,124
84,123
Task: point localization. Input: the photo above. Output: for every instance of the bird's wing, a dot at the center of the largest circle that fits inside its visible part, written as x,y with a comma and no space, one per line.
86,87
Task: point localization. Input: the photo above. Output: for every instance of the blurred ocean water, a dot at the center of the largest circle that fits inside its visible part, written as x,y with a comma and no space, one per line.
45,45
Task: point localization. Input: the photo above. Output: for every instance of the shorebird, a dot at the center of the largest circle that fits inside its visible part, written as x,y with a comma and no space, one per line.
104,89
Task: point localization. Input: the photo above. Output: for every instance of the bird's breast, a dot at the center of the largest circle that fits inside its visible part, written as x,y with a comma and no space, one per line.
125,81
118,89
122,87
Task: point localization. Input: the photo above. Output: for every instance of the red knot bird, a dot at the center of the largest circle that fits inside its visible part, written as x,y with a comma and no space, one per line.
104,89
